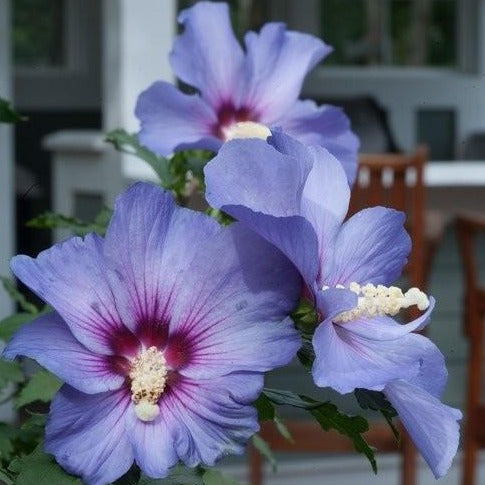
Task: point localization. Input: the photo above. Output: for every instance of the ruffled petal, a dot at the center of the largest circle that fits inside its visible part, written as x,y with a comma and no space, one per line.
327,126
149,241
255,175
276,64
72,277
346,360
258,184
153,443
212,418
207,55
49,341
239,289
173,121
432,425
371,247
86,434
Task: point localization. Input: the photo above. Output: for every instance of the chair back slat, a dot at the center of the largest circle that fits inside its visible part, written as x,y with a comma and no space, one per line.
396,181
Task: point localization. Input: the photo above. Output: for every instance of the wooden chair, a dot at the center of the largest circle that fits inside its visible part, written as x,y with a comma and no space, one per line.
392,180
469,226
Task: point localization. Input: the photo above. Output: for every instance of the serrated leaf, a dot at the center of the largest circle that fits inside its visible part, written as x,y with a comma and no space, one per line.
41,387
40,469
377,401
215,477
329,417
51,220
10,372
9,325
180,475
11,288
128,143
8,114
263,447
5,477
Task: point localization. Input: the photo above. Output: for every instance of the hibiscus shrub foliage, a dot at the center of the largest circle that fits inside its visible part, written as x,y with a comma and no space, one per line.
141,358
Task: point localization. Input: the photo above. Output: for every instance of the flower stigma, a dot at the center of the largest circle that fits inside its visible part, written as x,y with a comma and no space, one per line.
148,378
247,129
381,300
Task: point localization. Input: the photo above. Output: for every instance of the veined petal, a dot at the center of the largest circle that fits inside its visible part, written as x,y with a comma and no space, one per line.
371,247
207,55
72,277
153,443
49,341
212,418
239,289
150,240
86,434
327,126
276,64
346,360
254,174
172,121
432,425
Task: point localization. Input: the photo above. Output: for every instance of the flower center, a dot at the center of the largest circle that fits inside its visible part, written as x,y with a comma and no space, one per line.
381,300
247,129
148,375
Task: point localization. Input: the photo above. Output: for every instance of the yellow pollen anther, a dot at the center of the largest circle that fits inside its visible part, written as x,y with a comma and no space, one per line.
148,377
381,300
247,129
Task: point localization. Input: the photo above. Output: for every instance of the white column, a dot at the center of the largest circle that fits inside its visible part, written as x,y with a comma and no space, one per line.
137,38
7,191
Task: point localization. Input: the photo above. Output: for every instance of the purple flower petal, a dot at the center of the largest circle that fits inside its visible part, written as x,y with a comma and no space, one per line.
49,341
239,289
432,425
276,64
149,241
327,126
212,418
253,174
153,443
86,434
372,247
346,359
207,55
171,120
72,277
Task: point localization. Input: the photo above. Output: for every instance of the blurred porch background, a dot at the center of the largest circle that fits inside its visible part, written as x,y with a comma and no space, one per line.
80,64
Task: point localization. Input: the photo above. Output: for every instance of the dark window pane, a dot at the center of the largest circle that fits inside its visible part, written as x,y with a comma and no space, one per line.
38,33
390,32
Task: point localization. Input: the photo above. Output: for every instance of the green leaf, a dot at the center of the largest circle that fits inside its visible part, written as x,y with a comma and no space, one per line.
265,408
128,143
180,475
329,417
40,469
9,325
8,114
377,401
263,447
11,288
215,477
283,430
10,372
50,220
5,477
41,387
7,435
